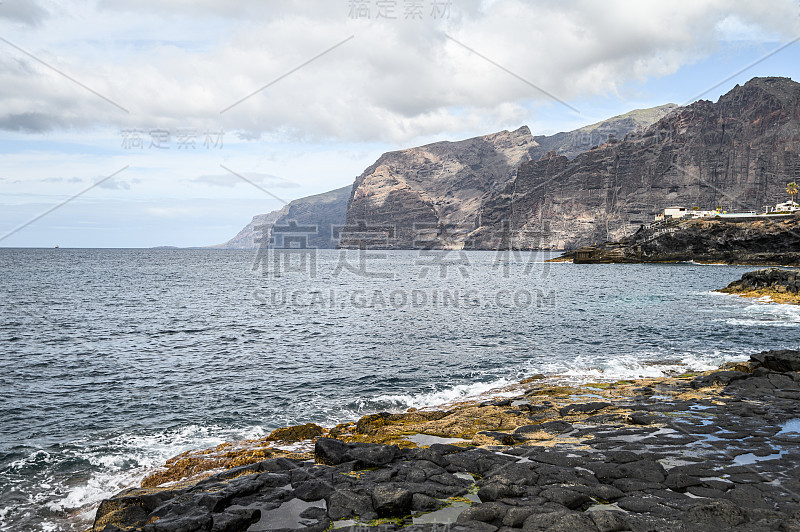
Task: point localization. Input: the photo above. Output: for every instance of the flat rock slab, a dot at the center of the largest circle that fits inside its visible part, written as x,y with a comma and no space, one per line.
688,464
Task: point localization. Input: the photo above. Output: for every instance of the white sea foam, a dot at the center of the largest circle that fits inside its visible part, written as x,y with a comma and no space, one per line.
579,370
127,459
461,392
635,366
768,315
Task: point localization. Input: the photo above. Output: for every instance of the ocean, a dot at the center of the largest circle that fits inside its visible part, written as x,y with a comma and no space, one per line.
112,361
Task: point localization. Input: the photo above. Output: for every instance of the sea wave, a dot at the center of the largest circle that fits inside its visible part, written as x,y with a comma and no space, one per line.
121,462
581,370
641,366
449,395
768,315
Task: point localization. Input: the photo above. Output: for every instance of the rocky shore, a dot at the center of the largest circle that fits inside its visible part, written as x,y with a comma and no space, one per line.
718,450
781,286
756,241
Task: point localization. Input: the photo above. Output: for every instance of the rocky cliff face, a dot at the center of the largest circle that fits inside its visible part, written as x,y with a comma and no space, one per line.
573,143
738,153
248,237
321,212
421,190
433,195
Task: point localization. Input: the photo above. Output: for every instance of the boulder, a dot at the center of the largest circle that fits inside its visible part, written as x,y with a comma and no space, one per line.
296,433
364,455
783,360
391,501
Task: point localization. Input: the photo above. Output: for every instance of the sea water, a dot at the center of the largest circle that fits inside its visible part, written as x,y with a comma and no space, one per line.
112,361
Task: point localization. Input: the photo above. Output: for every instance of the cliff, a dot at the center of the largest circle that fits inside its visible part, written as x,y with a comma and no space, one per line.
738,153
761,240
247,238
595,184
433,195
323,211
420,189
573,143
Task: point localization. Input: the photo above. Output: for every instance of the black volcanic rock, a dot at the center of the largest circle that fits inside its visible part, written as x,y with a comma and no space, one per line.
781,361
758,241
740,474
787,281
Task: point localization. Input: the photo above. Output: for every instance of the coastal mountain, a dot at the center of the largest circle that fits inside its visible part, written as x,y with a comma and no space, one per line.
432,196
441,184
321,211
248,237
420,190
573,143
737,153
511,189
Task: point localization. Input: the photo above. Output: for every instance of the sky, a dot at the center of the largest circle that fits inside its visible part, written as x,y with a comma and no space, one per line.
174,122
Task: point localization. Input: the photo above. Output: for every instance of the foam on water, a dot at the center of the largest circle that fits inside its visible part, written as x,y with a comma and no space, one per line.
582,370
454,394
766,314
120,463
638,366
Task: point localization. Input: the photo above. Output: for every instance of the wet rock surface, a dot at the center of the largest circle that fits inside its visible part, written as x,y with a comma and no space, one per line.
778,284
716,451
756,241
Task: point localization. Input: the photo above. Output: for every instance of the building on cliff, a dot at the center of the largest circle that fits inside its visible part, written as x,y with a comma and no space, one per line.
679,213
788,207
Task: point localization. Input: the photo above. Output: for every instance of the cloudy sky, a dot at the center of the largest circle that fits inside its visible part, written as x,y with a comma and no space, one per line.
205,113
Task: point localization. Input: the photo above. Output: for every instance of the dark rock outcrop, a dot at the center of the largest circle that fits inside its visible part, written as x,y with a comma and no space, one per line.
723,459
768,281
781,361
757,241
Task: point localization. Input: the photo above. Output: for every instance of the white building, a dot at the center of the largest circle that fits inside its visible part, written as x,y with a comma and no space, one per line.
672,212
676,213
789,206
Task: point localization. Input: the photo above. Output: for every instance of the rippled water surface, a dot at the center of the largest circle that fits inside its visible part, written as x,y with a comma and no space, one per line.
111,361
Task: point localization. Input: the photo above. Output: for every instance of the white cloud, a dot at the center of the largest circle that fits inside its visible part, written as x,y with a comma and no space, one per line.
27,12
176,63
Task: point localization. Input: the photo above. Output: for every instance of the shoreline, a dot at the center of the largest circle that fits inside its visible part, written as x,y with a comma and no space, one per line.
544,417
765,264
297,441
770,295
780,286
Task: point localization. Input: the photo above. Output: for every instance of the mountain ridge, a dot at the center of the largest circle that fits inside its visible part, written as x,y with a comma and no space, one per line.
504,167
738,153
